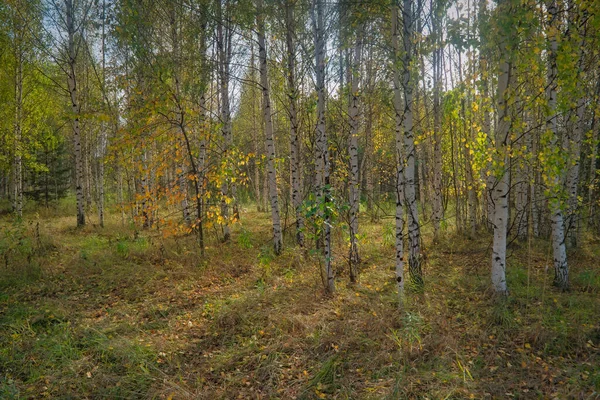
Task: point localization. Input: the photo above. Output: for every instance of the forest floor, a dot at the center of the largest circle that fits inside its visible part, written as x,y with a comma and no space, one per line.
111,313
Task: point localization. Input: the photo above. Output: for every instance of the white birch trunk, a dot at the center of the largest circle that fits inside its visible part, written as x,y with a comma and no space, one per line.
296,182
561,269
72,84
500,190
399,158
354,187
414,230
269,141
574,147
254,135
322,148
223,50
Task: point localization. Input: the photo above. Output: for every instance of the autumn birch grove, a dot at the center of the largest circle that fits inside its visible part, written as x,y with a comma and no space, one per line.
402,167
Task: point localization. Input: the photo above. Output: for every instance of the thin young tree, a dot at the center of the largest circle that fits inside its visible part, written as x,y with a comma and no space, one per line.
408,86
322,146
73,44
295,143
399,152
561,269
269,139
353,79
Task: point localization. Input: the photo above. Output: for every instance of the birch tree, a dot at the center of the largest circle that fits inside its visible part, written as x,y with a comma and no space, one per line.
321,145
408,85
501,186
561,269
224,34
399,152
353,80
269,140
438,210
292,93
72,47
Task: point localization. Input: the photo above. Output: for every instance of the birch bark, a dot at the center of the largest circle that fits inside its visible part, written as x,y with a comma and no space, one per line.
500,189
269,140
296,182
399,152
72,84
414,230
561,269
321,144
354,186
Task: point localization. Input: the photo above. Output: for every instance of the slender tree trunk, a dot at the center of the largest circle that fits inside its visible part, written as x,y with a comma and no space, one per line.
534,191
414,230
593,177
255,140
103,134
223,49
438,209
366,169
321,143
72,83
522,172
574,147
500,190
296,181
398,109
354,189
18,163
469,180
269,140
561,269
100,183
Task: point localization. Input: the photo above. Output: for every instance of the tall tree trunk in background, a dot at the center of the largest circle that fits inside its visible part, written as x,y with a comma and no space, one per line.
438,209
179,123
18,124
561,269
593,176
367,164
200,182
522,172
224,58
501,185
408,85
399,154
321,143
88,175
572,140
183,186
296,182
269,140
103,134
72,83
574,147
100,184
534,190
486,126
201,179
254,135
354,184
469,179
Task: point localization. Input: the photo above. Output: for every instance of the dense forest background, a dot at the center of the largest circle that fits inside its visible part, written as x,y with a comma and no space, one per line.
338,142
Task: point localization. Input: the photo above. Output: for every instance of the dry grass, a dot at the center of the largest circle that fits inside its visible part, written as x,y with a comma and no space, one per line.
111,313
